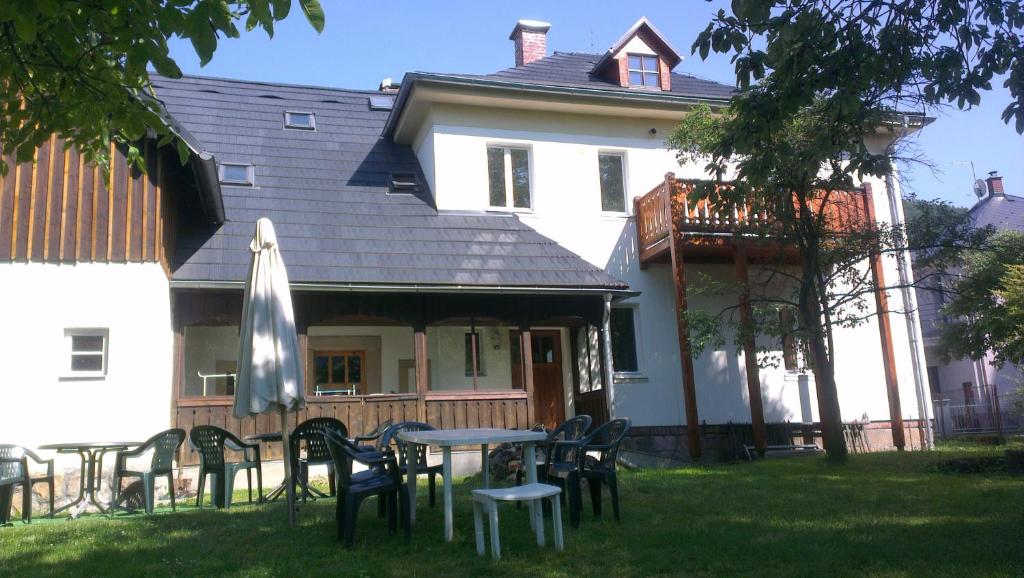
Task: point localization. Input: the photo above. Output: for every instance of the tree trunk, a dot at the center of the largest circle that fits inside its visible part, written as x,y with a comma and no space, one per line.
815,318
828,405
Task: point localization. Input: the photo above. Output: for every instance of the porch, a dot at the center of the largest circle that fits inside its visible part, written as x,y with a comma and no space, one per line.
455,361
678,226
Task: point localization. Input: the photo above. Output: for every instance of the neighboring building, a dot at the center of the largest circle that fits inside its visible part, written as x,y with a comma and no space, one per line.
971,382
464,250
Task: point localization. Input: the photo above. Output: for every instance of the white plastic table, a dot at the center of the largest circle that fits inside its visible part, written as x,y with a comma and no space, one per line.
484,437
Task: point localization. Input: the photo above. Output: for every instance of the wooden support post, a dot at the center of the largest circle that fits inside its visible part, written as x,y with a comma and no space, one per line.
637,224
750,354
526,347
682,327
422,373
885,335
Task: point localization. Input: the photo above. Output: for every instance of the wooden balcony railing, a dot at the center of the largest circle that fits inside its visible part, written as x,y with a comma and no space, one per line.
674,201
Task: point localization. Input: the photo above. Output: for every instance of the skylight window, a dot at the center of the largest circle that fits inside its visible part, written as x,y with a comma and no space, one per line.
236,174
404,183
299,120
382,102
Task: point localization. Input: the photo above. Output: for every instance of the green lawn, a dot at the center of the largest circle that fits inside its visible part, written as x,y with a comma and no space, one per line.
881,514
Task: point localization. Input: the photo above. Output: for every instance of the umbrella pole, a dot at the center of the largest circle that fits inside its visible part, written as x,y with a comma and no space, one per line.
289,480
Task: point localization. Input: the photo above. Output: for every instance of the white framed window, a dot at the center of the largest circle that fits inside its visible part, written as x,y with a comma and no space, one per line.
611,169
508,177
237,174
85,352
299,120
644,71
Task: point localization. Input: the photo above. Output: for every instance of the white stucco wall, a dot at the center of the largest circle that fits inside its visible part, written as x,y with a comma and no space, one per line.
133,400
567,208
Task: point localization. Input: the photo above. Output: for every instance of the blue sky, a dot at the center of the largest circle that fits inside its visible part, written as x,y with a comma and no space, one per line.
363,43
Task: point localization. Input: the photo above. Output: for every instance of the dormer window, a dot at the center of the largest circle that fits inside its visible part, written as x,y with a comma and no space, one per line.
644,71
299,120
642,58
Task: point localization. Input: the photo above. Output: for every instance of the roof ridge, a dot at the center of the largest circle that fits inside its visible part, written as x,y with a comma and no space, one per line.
266,83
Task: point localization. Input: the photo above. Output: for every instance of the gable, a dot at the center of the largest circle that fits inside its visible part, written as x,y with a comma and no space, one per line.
640,41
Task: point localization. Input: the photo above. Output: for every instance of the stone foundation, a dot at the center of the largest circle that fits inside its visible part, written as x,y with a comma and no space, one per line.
724,442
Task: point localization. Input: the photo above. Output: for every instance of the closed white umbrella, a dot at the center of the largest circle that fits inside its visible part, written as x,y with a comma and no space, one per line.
269,361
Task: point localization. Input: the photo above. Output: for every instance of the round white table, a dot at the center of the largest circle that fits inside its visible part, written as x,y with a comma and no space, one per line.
484,437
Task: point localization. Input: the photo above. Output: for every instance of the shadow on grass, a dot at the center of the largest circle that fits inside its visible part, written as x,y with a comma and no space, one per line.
885,514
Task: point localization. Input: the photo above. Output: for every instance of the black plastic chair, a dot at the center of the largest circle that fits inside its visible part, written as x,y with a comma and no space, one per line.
376,436
311,434
211,441
391,435
566,465
163,446
571,429
14,471
382,478
601,470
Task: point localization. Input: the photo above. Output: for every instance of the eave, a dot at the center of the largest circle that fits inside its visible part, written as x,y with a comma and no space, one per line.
621,292
419,88
203,165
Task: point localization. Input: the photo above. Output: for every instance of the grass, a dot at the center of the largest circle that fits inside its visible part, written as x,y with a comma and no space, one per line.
880,515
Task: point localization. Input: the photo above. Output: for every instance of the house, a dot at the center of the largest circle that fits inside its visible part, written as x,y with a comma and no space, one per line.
467,250
964,388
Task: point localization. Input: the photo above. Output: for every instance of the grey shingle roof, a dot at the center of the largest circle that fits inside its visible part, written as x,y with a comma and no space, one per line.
1004,212
326,192
573,69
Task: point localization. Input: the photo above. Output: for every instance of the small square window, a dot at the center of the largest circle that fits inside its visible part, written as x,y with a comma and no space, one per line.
236,174
299,120
85,353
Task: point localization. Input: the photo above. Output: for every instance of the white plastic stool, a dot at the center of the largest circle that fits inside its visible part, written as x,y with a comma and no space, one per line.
533,494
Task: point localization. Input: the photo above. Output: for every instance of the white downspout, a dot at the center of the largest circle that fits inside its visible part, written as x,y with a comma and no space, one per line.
909,304
606,345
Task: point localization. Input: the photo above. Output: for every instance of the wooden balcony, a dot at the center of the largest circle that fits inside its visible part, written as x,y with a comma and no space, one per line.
710,226
677,225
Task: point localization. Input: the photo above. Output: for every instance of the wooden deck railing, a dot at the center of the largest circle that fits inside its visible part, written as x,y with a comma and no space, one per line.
674,200
498,409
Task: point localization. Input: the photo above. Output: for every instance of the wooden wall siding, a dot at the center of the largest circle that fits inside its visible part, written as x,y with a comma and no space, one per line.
59,209
478,411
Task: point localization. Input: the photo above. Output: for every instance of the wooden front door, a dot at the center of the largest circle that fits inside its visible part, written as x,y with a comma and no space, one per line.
548,395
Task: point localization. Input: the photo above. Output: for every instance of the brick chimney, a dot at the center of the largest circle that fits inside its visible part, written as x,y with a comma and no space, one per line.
531,39
995,184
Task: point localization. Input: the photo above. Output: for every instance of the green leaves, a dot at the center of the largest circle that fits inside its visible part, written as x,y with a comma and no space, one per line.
81,69
314,13
985,302
906,55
